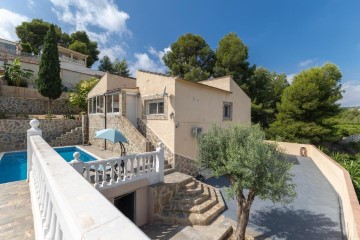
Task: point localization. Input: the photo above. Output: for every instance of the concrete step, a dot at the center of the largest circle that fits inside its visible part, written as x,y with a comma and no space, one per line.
190,192
185,218
169,171
167,166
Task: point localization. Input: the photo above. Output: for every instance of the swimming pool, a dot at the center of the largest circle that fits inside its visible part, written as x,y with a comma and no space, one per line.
13,165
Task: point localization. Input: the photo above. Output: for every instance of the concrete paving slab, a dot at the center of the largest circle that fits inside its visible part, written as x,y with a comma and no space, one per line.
16,219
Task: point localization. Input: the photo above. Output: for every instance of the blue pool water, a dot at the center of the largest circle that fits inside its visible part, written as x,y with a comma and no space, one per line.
13,165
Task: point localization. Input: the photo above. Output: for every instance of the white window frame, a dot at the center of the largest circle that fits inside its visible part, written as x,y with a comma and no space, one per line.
157,101
112,103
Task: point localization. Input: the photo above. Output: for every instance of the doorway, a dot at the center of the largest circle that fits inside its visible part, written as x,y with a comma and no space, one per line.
126,205
131,108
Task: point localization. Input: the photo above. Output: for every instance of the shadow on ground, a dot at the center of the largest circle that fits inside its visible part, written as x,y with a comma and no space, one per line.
161,231
287,223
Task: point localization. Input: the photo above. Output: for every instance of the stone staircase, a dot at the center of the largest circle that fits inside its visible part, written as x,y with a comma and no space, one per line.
195,203
73,137
168,169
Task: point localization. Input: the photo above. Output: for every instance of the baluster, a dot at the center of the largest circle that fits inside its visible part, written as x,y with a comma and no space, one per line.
43,198
149,165
137,166
96,184
154,162
112,180
104,176
58,232
53,223
48,217
131,167
88,173
119,169
143,165
43,215
125,170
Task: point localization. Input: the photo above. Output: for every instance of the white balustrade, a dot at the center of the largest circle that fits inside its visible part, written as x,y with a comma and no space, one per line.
107,173
64,204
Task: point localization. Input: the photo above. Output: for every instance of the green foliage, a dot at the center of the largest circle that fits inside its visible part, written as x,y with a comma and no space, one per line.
79,47
117,67
78,98
105,64
250,163
32,36
16,76
49,81
33,33
351,163
265,89
26,47
347,122
308,105
91,47
190,58
232,59
121,68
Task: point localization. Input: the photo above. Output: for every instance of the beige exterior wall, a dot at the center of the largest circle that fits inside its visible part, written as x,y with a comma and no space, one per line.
339,178
197,106
69,78
110,82
222,83
151,86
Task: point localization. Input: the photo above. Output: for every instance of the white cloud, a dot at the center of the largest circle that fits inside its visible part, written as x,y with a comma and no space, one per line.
85,14
116,51
8,21
290,77
159,54
351,97
145,62
30,3
307,62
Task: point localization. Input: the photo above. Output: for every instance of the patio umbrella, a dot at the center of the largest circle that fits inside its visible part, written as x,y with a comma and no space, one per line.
114,136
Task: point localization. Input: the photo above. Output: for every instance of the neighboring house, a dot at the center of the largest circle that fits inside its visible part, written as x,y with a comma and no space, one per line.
167,109
72,64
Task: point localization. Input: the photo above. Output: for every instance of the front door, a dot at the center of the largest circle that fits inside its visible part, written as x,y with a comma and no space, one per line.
131,103
126,205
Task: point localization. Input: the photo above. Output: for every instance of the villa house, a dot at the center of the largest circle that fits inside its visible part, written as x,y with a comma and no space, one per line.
72,64
156,107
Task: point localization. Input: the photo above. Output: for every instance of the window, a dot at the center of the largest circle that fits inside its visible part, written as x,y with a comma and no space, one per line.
96,104
227,111
112,103
155,107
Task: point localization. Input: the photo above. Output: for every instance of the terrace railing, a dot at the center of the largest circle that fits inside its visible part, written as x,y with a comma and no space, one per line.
110,173
64,204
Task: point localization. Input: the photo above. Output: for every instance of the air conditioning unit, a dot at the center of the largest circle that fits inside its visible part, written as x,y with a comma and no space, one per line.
196,132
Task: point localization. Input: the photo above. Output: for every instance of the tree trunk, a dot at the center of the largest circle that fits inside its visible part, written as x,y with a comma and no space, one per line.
243,213
49,108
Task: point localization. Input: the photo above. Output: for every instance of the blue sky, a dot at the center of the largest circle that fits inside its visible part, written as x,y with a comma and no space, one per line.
283,36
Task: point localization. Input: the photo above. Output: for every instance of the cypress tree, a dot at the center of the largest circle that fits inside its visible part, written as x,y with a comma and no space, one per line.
49,81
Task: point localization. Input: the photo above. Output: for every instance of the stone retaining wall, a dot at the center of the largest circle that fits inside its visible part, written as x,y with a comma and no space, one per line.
13,132
186,165
137,142
74,137
34,106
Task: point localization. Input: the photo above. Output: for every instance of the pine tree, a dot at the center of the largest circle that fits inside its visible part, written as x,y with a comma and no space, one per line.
49,81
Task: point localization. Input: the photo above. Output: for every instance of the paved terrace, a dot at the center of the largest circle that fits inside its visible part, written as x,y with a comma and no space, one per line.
16,219
315,213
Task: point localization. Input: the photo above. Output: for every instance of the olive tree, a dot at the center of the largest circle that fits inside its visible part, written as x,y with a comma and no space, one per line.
254,167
